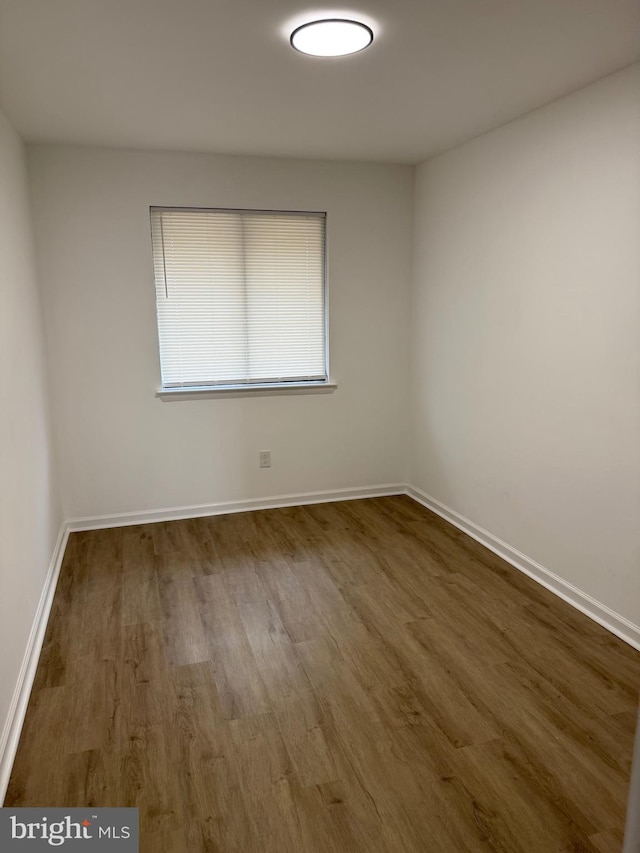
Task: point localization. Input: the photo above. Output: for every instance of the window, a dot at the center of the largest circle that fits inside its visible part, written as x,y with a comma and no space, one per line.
240,297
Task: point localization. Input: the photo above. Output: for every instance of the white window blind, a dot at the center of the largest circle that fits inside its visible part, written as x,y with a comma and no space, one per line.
240,296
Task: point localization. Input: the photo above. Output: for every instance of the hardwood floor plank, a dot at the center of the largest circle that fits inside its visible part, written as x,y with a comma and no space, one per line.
279,666
301,722
264,770
244,585
301,621
488,770
609,841
35,777
324,825
184,639
240,688
277,580
138,553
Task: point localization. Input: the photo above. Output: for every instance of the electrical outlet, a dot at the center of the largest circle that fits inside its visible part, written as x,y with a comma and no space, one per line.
265,459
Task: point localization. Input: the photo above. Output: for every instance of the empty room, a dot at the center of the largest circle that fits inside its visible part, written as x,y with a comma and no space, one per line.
320,430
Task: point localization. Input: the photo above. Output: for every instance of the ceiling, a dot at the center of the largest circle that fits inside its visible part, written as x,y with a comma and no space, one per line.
220,76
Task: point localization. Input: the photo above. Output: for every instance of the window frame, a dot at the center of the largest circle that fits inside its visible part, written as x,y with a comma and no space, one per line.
248,388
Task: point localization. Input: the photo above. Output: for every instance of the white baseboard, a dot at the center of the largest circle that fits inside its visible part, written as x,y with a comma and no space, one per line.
152,516
600,613
10,737
17,710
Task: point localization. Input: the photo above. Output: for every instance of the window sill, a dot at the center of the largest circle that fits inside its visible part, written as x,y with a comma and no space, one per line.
222,391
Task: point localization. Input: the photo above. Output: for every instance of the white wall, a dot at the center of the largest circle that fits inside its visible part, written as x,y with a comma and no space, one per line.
525,393
526,333
30,512
120,448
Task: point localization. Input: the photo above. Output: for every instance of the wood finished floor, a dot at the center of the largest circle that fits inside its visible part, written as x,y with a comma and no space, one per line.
339,678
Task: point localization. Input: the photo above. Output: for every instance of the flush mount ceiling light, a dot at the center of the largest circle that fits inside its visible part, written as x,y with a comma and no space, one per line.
331,37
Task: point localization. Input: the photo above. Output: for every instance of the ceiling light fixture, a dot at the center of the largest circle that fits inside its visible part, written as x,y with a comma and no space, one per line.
331,37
